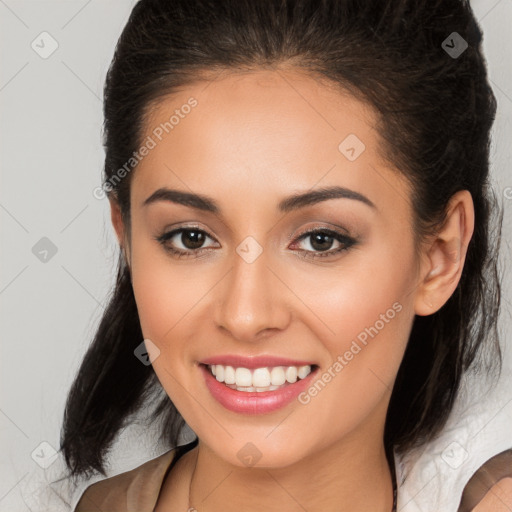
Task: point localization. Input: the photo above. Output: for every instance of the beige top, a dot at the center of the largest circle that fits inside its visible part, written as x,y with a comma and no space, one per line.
133,491
138,490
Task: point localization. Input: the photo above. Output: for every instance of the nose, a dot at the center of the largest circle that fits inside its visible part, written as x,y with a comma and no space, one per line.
252,301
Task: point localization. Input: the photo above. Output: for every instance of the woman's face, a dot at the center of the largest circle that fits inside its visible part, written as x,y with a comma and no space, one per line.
249,285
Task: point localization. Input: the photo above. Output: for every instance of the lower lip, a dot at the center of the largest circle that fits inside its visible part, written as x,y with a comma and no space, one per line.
246,402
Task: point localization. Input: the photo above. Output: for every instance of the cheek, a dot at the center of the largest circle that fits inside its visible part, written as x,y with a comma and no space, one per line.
369,320
363,318
162,291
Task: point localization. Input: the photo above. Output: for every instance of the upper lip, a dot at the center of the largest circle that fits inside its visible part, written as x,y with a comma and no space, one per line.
254,361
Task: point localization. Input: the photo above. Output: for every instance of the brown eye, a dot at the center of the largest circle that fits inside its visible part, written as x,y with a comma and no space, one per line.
191,240
322,240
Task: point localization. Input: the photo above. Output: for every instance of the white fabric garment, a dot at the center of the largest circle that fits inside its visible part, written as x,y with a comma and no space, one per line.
433,478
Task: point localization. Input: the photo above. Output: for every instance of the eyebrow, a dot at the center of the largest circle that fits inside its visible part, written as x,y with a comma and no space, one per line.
288,204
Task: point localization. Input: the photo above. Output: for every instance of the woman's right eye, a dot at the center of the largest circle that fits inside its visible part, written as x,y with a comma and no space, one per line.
190,238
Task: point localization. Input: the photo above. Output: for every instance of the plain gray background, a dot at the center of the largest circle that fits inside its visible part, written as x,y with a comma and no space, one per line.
51,161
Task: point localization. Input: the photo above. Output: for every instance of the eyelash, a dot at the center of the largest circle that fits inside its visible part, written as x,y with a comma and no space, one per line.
346,241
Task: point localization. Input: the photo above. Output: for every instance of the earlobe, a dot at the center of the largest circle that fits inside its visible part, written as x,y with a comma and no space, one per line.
445,256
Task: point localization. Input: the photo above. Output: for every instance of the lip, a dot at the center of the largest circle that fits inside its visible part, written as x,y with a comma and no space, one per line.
255,402
253,362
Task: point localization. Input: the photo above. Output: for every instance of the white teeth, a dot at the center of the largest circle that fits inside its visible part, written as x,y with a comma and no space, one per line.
277,376
243,377
291,374
304,371
229,375
219,373
253,388
259,379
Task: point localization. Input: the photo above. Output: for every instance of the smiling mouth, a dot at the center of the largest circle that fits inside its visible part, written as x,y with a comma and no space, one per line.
268,378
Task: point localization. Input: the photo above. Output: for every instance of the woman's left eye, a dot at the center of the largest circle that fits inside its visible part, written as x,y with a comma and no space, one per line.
322,237
192,239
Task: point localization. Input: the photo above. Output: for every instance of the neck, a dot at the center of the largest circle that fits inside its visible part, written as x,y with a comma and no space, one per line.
351,477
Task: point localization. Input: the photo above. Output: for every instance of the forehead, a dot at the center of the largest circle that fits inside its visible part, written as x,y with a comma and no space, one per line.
262,131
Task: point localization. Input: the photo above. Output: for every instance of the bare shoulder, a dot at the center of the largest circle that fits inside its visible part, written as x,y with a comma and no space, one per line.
498,498
490,488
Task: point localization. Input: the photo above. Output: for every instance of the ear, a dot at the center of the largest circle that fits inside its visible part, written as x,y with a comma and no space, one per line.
444,256
119,228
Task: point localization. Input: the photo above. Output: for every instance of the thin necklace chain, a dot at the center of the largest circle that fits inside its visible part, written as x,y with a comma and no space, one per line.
192,509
